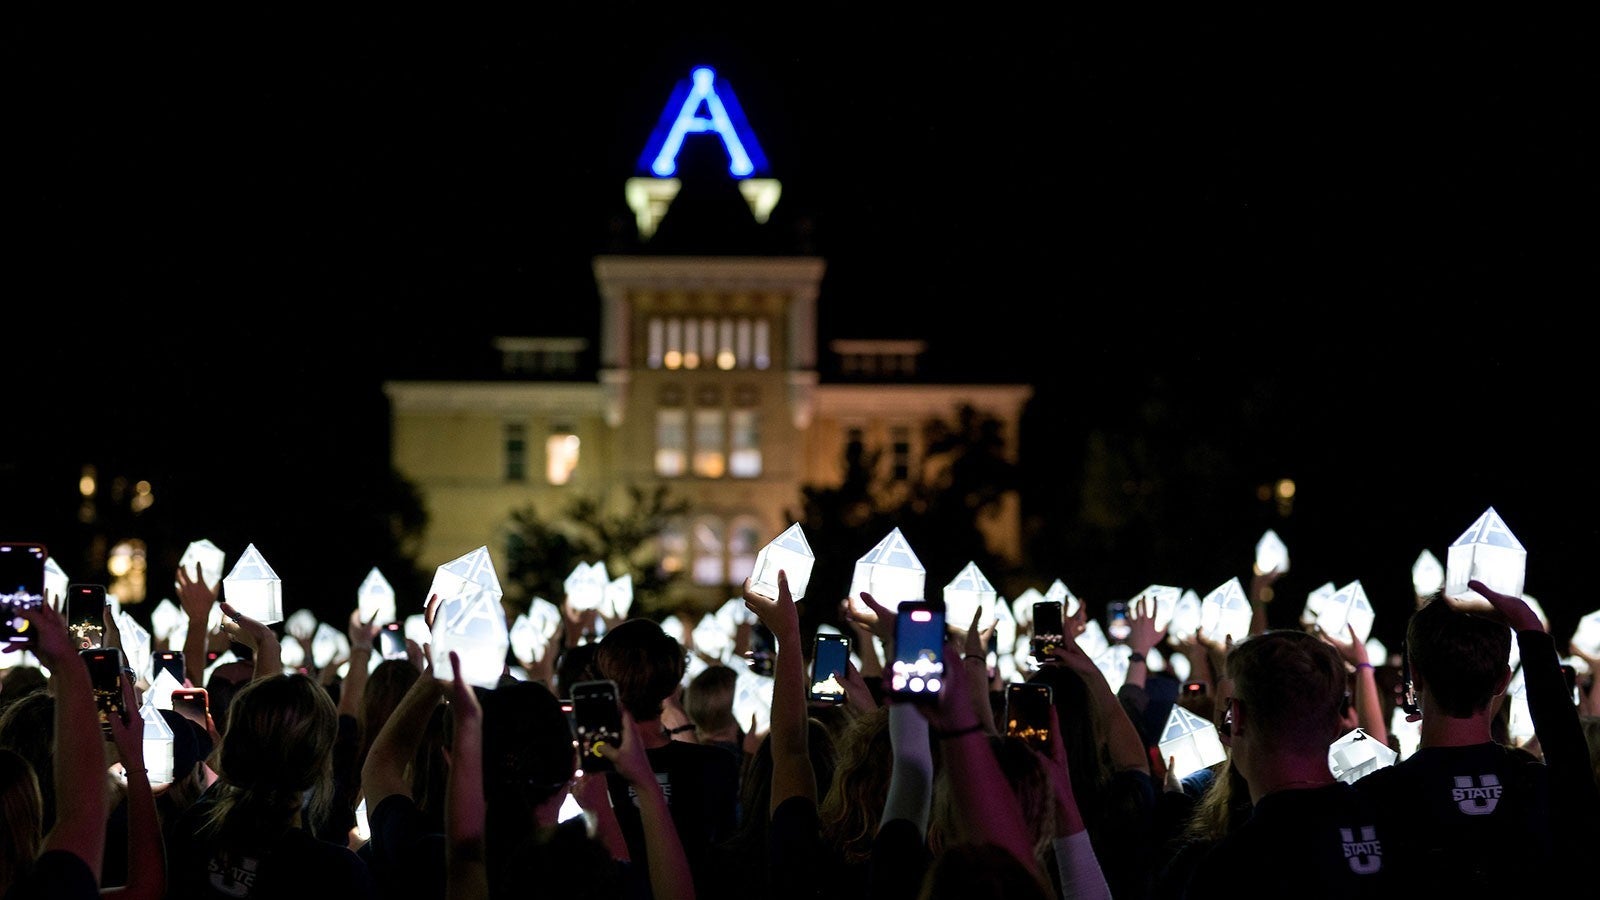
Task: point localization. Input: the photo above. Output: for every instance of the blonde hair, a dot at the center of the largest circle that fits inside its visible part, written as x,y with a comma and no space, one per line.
277,748
21,817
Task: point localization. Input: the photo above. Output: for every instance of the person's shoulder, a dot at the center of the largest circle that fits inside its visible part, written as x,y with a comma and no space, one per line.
56,875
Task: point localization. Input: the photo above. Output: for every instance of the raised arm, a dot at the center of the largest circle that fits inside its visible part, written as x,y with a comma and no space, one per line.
975,656
466,873
362,632
196,598
792,775
1369,702
1078,871
258,637
1125,742
668,864
384,772
79,753
147,862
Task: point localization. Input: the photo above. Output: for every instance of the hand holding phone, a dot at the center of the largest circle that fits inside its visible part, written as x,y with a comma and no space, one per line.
391,641
86,610
597,719
106,666
193,704
917,672
21,587
830,657
1049,630
1028,712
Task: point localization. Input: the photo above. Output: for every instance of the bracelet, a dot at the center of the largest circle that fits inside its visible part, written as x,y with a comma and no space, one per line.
669,732
958,732
1135,657
1363,665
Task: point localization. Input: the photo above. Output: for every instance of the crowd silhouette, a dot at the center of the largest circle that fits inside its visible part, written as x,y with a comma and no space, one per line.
375,779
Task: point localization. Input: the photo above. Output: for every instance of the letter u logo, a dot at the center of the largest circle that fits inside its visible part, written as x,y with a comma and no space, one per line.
1482,805
1362,863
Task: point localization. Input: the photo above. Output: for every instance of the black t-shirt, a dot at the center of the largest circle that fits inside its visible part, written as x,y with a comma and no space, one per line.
1324,842
406,856
899,863
294,866
794,851
701,784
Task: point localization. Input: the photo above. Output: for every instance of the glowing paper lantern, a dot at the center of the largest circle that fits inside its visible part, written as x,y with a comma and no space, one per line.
165,618
545,617
1226,611
1407,734
617,598
328,644
1272,555
1093,639
1357,754
1185,619
586,586
1160,601
711,639
469,620
161,690
301,621
135,646
210,558
1022,608
526,642
1427,574
375,595
158,762
1587,635
1486,552
55,585
1060,593
1190,743
1314,601
752,699
1347,606
1113,664
416,629
733,614
890,572
790,552
969,594
254,589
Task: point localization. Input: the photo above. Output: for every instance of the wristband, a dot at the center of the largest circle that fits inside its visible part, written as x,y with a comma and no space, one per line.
1135,657
1363,665
959,732
669,732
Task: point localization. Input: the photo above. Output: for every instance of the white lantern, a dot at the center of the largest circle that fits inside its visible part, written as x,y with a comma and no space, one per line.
375,596
890,572
1427,574
1190,743
586,586
791,553
158,760
1486,552
1356,754
1226,611
1272,555
469,620
254,589
1348,606
210,559
969,594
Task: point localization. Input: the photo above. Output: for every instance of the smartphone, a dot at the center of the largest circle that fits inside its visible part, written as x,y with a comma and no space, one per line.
596,718
391,641
86,609
105,676
917,671
1194,689
1028,712
1048,630
193,704
21,587
830,656
1117,627
170,661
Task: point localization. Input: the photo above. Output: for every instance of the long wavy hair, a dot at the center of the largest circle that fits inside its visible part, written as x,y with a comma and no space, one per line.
275,760
21,817
1025,771
853,805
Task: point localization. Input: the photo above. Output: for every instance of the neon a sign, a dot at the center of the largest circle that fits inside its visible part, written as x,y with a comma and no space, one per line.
702,105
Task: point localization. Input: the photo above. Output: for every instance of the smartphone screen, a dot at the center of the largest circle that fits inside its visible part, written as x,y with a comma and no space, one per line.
1028,712
596,718
192,703
105,675
830,654
170,661
86,607
391,641
21,587
1117,627
917,672
1048,630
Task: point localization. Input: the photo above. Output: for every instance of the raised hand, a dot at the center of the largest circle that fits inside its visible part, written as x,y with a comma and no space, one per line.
1142,631
52,642
779,613
1353,650
1511,610
195,596
255,635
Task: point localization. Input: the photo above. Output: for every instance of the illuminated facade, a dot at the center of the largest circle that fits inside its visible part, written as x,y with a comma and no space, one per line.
706,379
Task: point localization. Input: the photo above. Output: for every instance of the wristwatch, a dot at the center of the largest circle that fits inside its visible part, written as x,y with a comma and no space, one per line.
1135,657
669,732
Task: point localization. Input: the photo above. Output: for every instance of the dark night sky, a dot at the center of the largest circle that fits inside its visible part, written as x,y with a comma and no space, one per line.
1356,252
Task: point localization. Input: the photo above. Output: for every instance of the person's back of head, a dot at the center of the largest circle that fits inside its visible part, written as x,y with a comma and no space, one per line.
1082,731
1462,659
386,685
646,663
19,682
225,681
528,762
21,817
709,699
28,727
852,803
1292,684
278,745
1026,773
576,664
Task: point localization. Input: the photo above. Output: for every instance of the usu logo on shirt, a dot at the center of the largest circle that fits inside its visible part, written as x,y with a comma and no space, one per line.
1476,796
1366,855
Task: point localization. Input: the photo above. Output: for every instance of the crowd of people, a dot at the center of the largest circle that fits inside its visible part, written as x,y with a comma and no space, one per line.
395,780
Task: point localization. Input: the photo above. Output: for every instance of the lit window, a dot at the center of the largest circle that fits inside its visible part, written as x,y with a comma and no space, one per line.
742,343
691,346
672,442
725,356
658,343
900,453
561,454
763,344
516,451
744,541
708,341
673,358
710,461
707,543
745,460
674,546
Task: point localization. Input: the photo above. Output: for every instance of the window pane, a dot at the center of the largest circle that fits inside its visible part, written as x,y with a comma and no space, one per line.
710,460
674,544
658,342
763,345
708,567
672,442
674,355
561,455
743,544
516,452
745,461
